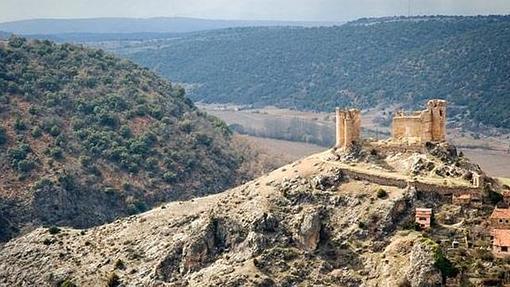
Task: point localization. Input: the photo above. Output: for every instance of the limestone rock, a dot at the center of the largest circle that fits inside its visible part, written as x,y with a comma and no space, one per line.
310,228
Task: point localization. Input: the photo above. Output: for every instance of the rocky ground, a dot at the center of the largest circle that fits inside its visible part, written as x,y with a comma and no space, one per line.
304,224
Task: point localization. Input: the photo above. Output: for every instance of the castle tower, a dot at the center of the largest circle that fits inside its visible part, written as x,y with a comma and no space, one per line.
419,127
438,125
348,127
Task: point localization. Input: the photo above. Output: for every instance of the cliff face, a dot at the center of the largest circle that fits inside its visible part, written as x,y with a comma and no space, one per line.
307,223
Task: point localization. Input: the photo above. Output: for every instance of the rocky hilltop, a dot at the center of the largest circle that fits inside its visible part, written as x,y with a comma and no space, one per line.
338,218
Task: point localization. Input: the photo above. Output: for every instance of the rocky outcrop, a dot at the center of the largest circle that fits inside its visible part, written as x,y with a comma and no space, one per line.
310,229
306,224
407,261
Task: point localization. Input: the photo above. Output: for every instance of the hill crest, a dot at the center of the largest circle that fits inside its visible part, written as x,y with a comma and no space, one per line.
315,221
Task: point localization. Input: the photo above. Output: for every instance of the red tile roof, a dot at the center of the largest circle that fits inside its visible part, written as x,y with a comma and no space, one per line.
500,213
424,211
501,237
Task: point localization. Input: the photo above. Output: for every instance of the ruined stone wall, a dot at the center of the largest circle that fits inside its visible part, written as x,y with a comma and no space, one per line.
348,127
380,180
437,109
444,190
419,186
421,126
407,128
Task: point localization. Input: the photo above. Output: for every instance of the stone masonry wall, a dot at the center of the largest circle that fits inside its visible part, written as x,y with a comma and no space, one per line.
402,183
421,126
348,127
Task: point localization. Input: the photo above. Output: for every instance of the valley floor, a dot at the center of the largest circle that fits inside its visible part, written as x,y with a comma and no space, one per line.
262,125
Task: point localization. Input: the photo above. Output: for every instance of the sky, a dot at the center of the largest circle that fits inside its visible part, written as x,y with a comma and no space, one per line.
300,10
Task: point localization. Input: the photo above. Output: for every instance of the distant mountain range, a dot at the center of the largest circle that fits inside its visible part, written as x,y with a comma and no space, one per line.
364,63
316,65
138,25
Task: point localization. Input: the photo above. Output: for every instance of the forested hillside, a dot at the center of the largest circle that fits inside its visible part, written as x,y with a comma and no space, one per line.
86,137
363,63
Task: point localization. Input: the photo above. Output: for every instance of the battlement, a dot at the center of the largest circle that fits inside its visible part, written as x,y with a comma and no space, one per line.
348,127
408,129
421,126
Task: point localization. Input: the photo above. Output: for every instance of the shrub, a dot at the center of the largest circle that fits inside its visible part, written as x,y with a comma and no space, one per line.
411,225
41,183
136,206
25,165
36,132
20,125
3,136
149,138
77,123
85,161
125,131
442,263
53,230
61,140
119,264
33,110
151,164
203,139
381,193
169,176
67,283
494,197
67,181
108,119
113,280
126,186
17,42
54,130
141,110
56,152
156,112
19,153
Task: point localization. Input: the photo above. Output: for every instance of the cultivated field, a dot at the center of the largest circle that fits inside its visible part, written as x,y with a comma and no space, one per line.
300,129
288,151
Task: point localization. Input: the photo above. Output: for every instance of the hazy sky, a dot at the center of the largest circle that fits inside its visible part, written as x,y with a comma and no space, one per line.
320,10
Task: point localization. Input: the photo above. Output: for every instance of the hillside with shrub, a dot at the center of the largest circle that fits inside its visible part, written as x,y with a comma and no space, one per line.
86,137
362,63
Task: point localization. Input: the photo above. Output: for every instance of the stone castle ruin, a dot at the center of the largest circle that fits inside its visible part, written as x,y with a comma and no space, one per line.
348,127
416,128
422,126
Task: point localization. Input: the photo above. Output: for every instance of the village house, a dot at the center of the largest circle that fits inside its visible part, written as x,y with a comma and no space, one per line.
500,242
423,217
500,218
467,199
